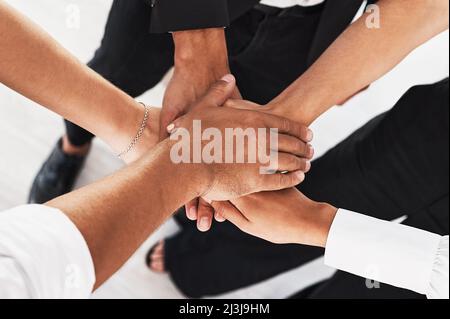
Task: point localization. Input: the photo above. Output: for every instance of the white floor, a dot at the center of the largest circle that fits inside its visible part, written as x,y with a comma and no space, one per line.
27,133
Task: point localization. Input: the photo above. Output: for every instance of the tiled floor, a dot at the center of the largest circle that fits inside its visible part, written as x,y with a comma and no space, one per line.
28,132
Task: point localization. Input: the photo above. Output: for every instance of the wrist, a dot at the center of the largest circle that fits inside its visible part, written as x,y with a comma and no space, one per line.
325,217
318,222
123,116
199,50
300,109
303,101
125,126
196,178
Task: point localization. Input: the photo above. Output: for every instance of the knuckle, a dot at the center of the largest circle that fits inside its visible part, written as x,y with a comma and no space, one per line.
281,182
219,87
298,146
293,162
298,129
256,120
220,209
303,165
303,147
229,103
285,125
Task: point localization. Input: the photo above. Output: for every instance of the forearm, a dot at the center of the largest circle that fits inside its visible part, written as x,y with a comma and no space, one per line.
35,65
118,213
361,55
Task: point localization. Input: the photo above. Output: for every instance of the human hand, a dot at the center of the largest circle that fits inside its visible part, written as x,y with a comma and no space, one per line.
201,59
199,210
273,108
281,217
232,179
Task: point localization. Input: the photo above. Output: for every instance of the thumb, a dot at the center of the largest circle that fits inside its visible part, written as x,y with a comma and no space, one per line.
220,92
166,118
228,211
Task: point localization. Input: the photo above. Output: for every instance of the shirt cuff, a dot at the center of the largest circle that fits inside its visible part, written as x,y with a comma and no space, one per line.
176,15
439,285
50,250
383,251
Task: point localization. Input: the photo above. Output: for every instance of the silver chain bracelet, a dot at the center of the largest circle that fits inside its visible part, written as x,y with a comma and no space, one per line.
139,133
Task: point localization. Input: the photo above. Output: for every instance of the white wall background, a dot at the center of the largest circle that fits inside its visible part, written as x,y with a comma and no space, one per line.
27,133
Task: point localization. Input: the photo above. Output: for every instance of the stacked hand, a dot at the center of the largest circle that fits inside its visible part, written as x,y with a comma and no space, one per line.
228,181
200,210
281,217
200,60
294,140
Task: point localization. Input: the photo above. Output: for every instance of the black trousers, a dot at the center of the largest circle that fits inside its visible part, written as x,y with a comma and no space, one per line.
395,165
268,50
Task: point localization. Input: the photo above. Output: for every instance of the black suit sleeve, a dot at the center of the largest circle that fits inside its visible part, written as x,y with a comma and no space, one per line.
176,15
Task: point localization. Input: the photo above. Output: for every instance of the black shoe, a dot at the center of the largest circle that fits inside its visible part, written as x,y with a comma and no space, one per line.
56,177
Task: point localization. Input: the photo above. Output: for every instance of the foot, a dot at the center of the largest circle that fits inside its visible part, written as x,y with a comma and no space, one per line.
155,258
59,172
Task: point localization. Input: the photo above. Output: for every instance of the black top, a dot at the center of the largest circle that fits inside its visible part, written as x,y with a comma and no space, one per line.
176,15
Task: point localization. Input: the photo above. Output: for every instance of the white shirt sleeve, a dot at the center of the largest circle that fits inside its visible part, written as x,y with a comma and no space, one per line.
291,3
43,255
390,253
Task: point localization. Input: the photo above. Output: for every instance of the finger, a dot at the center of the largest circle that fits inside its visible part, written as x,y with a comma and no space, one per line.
293,145
167,117
286,126
279,181
236,94
231,213
191,209
205,215
157,266
291,163
243,105
219,92
219,218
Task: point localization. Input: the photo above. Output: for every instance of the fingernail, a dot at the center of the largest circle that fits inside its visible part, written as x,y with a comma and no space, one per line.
228,78
204,224
193,213
308,166
170,128
309,135
300,176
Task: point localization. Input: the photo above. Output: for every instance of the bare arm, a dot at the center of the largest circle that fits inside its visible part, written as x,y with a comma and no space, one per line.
362,55
200,59
35,65
117,214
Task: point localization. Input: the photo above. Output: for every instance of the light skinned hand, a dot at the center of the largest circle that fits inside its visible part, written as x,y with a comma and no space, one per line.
281,217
